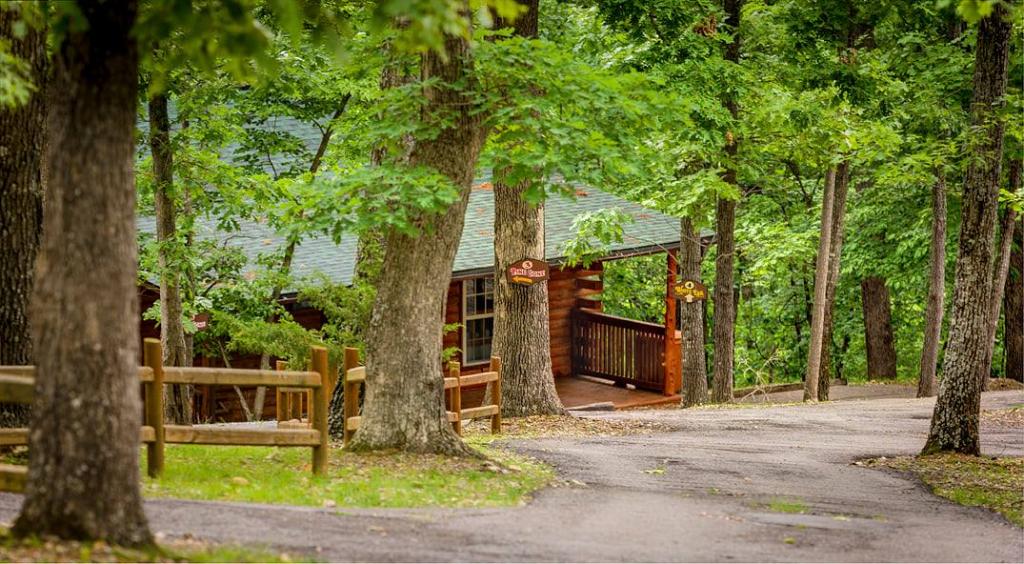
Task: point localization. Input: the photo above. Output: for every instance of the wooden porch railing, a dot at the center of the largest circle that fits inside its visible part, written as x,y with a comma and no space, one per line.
615,348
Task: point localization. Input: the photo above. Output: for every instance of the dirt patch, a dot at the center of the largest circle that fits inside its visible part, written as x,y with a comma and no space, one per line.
996,384
1012,418
996,483
543,426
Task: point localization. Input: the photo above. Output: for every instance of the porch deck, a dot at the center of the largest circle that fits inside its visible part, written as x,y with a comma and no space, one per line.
581,391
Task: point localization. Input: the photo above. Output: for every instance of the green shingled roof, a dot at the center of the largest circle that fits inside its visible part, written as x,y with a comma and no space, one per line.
650,232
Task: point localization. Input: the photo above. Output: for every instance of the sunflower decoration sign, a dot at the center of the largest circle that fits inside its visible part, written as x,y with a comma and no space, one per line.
690,291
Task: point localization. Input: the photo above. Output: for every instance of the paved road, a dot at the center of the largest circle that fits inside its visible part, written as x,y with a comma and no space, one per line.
697,493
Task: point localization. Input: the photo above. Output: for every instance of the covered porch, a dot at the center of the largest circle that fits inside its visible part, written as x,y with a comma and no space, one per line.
626,362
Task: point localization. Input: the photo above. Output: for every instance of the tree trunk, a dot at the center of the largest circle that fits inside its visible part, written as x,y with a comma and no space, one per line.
521,335
1013,324
816,343
22,144
691,317
725,315
1001,273
878,334
955,419
404,404
927,381
725,218
177,397
83,478
834,258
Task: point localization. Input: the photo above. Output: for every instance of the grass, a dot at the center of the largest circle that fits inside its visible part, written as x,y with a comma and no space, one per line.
996,483
52,550
282,476
787,506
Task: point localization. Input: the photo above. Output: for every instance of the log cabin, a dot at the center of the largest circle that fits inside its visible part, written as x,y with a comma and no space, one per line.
596,357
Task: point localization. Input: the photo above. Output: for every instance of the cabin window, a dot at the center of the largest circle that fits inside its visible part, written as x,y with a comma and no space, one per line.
477,320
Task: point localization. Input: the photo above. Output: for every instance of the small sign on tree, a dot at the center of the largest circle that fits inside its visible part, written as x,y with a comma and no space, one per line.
690,291
527,272
201,321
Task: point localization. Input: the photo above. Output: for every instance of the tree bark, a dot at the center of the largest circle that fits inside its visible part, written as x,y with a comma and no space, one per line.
927,381
404,405
83,477
954,424
1013,324
691,317
22,145
725,226
834,258
177,397
521,335
816,343
878,335
1001,273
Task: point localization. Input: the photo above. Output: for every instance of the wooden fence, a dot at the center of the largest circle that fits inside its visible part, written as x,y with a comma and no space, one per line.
17,385
623,350
354,378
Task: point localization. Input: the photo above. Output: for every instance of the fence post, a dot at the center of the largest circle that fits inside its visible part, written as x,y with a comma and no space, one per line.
280,366
319,411
350,407
152,354
496,393
455,371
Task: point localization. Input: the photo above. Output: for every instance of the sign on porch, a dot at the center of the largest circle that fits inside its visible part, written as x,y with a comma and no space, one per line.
690,291
527,272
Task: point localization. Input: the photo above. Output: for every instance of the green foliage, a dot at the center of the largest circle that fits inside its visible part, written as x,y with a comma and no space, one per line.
635,288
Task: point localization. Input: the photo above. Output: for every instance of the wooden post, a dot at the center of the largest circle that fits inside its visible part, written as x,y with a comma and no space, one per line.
154,415
318,417
496,393
672,347
280,366
350,391
455,371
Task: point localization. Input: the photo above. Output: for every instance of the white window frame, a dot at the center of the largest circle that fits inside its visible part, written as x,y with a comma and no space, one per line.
466,318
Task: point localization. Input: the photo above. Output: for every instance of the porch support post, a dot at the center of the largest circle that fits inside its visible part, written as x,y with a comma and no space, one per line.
673,351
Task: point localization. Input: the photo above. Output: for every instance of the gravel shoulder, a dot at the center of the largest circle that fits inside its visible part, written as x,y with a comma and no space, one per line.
710,489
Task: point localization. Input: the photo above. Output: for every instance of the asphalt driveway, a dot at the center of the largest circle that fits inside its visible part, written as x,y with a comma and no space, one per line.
702,492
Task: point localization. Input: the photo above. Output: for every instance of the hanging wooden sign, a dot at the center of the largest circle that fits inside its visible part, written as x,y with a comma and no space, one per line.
201,321
690,291
527,272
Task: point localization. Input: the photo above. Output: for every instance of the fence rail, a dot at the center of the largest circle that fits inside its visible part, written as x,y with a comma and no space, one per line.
623,350
17,386
354,378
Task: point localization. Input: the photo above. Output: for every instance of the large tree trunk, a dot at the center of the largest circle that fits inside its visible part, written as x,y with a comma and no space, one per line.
1013,324
691,316
927,381
177,397
878,335
404,405
834,258
725,226
83,477
521,335
816,342
955,419
22,143
1001,272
